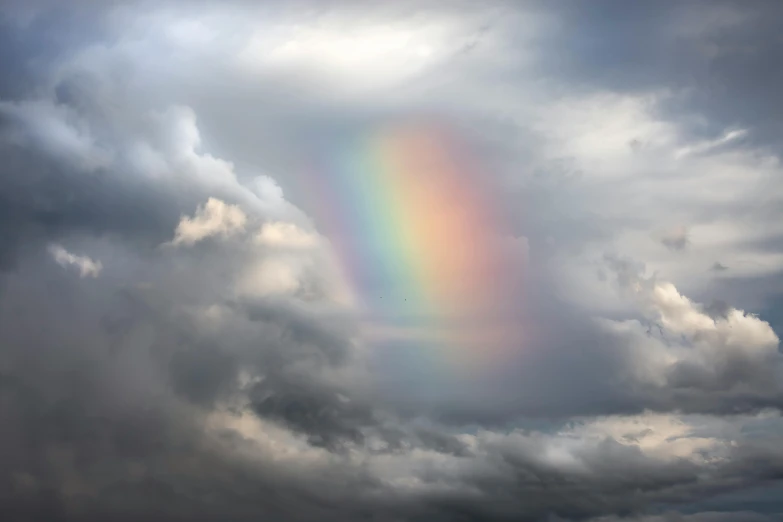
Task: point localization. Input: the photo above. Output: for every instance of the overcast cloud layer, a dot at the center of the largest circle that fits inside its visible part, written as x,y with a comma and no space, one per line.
173,337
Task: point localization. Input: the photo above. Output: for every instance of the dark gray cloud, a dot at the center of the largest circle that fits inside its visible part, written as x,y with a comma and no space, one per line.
216,379
43,200
720,55
712,516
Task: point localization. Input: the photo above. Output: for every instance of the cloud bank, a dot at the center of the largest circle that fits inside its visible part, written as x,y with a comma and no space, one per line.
181,338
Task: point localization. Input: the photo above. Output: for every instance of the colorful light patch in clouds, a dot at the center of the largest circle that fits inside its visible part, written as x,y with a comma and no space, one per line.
419,230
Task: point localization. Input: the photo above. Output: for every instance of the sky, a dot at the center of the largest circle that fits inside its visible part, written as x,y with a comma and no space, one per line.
391,261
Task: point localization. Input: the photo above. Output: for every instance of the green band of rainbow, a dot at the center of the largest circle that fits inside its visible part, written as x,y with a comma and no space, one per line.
416,229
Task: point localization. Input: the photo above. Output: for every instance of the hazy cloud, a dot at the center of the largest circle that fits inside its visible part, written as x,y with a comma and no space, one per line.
238,376
85,265
675,239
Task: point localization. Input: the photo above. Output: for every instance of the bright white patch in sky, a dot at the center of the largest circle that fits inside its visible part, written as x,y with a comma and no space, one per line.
285,235
215,218
86,266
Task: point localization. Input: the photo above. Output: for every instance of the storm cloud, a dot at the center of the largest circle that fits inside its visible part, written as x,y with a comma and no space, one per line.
179,338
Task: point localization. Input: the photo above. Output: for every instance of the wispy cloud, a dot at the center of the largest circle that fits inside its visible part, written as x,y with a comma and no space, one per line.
86,266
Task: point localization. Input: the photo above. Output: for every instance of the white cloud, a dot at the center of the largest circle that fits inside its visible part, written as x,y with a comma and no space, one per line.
285,235
658,435
684,346
638,189
603,131
389,47
215,218
349,56
272,276
707,145
86,266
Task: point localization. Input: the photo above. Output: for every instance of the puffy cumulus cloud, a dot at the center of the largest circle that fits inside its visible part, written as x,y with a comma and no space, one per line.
233,378
689,352
215,218
295,262
285,235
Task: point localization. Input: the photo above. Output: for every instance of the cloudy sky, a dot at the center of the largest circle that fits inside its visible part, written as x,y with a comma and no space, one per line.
582,260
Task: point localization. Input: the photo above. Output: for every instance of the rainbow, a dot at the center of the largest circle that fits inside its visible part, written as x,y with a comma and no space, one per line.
418,230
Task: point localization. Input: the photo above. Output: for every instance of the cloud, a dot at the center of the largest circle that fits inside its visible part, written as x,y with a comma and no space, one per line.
697,517
56,129
675,239
86,266
689,351
705,146
214,218
285,235
235,379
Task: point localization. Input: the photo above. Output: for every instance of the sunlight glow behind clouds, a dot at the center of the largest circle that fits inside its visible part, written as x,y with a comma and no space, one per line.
355,57
636,153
